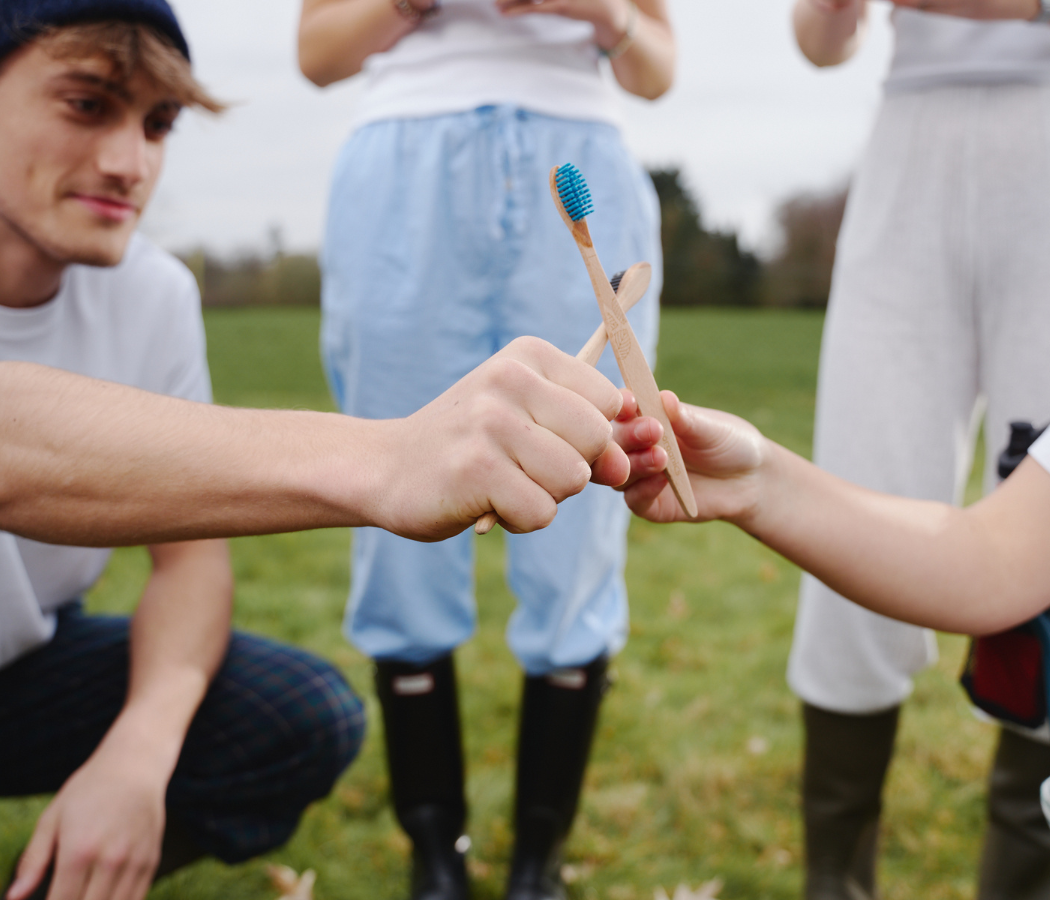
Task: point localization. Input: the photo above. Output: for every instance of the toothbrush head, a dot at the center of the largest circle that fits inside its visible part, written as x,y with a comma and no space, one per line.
616,279
573,192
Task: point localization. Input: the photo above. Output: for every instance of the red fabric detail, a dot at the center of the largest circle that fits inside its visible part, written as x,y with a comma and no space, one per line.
1007,670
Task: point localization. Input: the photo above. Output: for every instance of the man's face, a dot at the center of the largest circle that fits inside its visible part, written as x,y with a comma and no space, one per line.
79,154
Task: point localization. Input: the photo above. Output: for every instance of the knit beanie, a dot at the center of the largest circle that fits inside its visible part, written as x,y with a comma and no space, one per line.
22,20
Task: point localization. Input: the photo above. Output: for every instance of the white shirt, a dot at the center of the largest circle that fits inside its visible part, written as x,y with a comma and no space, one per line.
934,50
469,55
1040,450
137,324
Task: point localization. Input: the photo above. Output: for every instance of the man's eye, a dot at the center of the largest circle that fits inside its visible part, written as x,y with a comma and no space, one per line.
85,106
157,128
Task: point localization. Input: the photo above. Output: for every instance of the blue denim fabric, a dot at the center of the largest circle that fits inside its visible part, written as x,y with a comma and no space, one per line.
442,246
275,730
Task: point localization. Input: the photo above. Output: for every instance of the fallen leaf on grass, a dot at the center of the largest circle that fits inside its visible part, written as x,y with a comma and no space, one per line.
478,867
677,608
570,873
757,746
291,884
707,891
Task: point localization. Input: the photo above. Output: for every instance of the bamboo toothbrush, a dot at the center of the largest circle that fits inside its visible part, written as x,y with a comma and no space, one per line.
629,287
573,199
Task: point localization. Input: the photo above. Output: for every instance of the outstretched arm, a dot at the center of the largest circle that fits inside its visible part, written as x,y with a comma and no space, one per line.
977,570
98,464
829,31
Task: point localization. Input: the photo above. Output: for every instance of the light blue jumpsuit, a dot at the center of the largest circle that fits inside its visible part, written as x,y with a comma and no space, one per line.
442,246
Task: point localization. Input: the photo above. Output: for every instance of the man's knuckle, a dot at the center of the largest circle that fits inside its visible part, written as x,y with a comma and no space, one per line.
112,861
579,477
84,855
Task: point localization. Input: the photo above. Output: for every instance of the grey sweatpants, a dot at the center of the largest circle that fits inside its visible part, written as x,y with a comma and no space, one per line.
940,304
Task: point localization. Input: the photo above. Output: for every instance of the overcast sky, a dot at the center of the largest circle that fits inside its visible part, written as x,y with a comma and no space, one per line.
749,121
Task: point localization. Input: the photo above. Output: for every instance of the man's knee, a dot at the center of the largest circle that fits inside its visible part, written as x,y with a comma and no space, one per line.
279,713
278,727
320,719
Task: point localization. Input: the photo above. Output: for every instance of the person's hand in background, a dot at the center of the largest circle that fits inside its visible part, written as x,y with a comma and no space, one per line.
637,36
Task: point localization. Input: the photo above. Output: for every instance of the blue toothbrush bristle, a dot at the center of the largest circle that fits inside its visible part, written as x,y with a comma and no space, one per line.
573,191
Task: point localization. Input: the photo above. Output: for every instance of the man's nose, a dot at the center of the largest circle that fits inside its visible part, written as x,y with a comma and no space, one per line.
124,153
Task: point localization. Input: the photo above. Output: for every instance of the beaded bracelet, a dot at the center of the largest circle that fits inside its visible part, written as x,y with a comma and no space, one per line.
408,11
624,44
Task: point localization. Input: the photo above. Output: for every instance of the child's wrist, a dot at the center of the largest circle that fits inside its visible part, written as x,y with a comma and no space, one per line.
756,502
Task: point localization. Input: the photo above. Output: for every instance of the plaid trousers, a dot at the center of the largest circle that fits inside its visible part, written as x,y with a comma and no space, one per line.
275,730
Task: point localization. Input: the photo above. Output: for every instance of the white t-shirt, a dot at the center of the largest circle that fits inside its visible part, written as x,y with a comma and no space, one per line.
137,324
935,50
469,55
1040,450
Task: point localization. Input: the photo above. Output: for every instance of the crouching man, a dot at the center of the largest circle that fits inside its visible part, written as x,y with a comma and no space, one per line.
165,737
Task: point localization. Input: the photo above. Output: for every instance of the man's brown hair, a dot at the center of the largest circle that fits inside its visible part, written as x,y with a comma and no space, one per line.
131,47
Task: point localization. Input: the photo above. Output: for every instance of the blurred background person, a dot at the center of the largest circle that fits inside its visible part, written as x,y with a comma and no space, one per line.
938,312
443,245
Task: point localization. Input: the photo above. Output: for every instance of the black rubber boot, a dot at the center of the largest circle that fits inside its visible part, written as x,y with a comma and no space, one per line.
558,717
846,761
1015,864
425,758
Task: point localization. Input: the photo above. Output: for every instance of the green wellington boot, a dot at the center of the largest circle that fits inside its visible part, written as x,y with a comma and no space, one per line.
846,761
1015,864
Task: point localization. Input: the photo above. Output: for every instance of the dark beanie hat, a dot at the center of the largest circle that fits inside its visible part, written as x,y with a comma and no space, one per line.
22,20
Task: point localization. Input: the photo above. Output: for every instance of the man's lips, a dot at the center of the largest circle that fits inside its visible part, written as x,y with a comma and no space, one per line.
108,207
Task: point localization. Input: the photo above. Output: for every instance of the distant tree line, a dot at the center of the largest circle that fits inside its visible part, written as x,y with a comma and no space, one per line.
701,267
709,268
254,280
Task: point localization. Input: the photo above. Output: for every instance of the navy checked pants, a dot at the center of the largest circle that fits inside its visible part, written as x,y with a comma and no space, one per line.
275,730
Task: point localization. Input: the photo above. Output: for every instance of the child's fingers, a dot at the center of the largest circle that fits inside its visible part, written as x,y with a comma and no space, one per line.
629,410
612,468
643,496
645,464
637,434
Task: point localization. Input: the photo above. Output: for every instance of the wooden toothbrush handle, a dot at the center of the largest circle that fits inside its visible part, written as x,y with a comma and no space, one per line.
633,285
635,370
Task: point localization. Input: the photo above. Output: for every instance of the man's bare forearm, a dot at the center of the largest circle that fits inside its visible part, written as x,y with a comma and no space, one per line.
829,31
179,635
92,463
99,464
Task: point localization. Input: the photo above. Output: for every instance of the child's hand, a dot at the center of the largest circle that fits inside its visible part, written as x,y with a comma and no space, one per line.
976,9
724,455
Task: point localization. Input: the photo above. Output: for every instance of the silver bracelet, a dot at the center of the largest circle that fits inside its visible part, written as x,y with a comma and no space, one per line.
408,11
1044,12
624,44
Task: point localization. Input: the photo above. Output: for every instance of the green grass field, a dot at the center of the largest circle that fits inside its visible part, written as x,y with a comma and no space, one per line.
695,770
